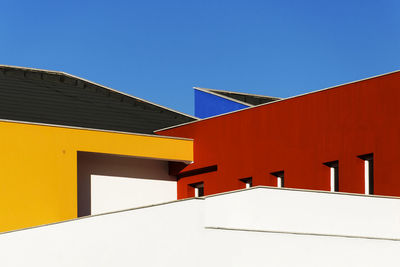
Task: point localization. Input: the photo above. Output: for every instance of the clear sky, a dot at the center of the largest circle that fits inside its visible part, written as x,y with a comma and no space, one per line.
159,49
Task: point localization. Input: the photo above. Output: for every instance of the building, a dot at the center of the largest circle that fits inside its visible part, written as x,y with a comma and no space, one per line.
211,102
59,98
251,227
341,139
93,177
64,138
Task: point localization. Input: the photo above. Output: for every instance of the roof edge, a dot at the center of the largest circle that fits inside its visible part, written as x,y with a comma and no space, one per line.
94,129
104,214
239,93
222,96
277,101
61,73
258,187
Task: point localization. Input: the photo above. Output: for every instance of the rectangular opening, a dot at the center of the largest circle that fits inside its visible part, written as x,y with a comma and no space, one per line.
107,182
280,178
368,173
247,181
198,189
198,171
334,175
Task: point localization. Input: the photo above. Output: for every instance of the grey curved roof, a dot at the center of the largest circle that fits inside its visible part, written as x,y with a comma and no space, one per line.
53,97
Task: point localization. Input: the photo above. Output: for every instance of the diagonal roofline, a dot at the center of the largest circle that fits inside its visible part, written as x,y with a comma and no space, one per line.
258,187
239,93
93,129
283,99
61,73
206,90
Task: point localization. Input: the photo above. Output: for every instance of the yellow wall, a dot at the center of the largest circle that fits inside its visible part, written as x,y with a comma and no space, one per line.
38,167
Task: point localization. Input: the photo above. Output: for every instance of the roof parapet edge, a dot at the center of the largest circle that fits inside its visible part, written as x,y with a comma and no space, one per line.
95,130
222,96
277,101
259,187
96,84
239,93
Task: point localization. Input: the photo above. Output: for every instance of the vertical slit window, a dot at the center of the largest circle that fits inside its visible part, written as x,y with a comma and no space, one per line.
368,173
334,175
247,181
280,178
198,189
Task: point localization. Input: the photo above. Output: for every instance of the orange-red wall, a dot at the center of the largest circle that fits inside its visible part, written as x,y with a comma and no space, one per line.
298,135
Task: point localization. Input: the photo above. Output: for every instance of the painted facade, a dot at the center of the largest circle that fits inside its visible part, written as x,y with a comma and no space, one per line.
208,104
212,102
71,148
327,140
39,181
260,170
298,138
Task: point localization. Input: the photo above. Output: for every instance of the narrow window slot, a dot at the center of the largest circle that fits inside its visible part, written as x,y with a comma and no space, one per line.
368,173
280,178
198,189
334,175
247,181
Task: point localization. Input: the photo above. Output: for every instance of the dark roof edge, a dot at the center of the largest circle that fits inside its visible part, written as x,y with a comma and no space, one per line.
205,90
239,93
284,99
95,130
96,84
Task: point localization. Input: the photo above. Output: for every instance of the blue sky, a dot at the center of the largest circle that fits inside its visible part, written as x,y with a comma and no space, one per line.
159,50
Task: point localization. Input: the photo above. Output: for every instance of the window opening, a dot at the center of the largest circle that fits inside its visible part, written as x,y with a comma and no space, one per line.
198,189
368,173
247,181
334,175
280,178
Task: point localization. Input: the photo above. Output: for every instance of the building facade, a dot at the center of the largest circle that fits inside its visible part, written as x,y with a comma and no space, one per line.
90,176
344,139
73,148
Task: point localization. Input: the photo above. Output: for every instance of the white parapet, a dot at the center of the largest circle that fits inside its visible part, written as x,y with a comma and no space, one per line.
303,211
260,226
112,193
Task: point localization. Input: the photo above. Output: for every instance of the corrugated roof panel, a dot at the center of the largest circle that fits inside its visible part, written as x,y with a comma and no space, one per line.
56,98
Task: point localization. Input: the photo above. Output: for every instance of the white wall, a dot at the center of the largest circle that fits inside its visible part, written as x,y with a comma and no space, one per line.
242,248
166,235
252,227
110,182
111,193
303,211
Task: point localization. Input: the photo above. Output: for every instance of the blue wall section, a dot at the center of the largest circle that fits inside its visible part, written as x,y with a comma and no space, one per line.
208,105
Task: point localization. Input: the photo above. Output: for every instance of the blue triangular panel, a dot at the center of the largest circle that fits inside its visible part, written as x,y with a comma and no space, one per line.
208,105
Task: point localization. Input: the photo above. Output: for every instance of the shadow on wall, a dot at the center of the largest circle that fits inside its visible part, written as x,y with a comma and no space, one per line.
108,165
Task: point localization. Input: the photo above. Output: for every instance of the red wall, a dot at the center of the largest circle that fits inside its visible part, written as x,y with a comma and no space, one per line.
298,135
